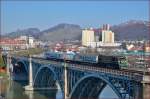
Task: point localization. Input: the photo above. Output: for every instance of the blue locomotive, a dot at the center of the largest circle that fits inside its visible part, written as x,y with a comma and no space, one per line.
113,62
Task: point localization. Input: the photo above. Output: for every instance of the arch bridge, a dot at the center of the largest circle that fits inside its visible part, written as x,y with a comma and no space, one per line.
79,81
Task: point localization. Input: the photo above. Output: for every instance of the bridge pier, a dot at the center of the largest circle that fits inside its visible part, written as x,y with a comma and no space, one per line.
8,65
9,68
30,86
146,87
66,95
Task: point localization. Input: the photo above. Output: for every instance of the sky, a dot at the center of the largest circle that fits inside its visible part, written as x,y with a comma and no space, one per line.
45,14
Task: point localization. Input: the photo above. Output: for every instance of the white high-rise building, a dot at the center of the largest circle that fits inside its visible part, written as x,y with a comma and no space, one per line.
87,36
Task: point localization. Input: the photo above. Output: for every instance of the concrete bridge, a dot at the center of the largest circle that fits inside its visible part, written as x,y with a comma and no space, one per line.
78,81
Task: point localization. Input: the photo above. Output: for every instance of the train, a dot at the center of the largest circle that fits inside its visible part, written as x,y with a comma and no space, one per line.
97,60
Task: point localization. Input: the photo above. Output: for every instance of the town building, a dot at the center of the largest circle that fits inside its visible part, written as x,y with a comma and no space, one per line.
22,42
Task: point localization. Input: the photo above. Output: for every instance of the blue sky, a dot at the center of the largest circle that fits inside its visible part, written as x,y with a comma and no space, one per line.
44,14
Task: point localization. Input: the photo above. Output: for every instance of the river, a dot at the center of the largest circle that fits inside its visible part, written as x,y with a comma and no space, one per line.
15,90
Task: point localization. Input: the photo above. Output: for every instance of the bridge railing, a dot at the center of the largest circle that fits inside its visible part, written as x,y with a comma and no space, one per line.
132,76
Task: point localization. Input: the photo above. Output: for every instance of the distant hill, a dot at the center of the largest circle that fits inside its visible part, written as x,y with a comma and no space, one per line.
61,32
130,30
28,32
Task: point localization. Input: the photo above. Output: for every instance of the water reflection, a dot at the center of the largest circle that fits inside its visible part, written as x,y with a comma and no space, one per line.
15,90
44,94
3,87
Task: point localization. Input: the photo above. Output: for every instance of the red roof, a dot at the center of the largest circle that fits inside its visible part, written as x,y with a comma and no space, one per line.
11,41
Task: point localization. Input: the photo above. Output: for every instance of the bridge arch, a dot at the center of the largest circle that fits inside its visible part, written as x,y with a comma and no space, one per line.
46,75
91,86
20,65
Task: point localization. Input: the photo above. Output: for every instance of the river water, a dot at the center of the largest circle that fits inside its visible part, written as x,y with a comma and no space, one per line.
15,90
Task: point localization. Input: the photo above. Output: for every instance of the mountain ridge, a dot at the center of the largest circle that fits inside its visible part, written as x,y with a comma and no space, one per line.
129,30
